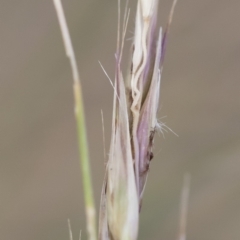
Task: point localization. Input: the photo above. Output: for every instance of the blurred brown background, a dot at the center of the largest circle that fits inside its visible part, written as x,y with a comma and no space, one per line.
40,182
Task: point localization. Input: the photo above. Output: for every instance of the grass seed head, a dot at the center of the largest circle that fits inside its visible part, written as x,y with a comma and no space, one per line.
133,126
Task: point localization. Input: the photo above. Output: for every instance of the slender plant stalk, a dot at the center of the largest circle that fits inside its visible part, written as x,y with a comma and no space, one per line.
184,207
81,127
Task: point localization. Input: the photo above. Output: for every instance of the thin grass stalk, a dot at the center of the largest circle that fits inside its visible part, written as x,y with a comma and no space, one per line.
184,207
81,126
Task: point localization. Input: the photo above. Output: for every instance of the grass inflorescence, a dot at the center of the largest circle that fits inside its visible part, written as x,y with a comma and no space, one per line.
134,123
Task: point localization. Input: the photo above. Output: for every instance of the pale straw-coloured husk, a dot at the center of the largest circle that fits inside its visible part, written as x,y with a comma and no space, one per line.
134,123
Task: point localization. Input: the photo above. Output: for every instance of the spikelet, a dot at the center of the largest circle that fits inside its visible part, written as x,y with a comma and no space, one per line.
134,123
144,88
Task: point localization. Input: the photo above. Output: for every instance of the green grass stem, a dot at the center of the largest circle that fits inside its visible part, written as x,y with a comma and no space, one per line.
81,126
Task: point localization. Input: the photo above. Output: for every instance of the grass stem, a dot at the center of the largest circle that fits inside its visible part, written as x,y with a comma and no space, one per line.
81,126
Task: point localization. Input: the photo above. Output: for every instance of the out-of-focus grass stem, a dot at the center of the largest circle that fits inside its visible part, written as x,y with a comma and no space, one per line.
81,126
184,207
